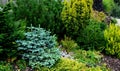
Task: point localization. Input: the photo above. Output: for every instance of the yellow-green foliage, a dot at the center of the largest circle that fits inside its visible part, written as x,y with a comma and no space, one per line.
112,36
66,64
90,58
75,15
68,44
98,16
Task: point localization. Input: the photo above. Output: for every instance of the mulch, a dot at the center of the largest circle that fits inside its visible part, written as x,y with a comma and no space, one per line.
112,62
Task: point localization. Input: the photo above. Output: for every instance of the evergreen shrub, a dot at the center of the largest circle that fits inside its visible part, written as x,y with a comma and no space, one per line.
68,44
75,16
43,12
108,6
93,36
10,31
39,48
116,11
112,37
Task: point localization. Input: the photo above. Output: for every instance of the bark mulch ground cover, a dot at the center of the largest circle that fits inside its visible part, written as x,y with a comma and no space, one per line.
112,63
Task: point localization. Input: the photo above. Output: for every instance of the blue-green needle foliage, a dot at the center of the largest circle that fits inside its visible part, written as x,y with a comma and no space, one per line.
39,48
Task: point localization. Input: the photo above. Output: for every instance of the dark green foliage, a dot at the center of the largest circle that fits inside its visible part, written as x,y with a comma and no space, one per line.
116,11
93,36
39,48
22,64
10,31
117,2
97,5
4,66
43,12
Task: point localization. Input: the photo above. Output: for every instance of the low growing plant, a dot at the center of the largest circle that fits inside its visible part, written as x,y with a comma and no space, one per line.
68,44
22,64
90,58
98,16
66,64
4,66
39,48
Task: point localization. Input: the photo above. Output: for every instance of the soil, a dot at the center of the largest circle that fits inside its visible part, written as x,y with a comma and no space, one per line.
112,63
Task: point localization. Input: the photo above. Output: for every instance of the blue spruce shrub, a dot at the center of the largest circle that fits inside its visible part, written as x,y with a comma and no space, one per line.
39,48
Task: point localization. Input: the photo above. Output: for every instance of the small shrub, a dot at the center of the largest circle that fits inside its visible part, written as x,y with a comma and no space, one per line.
39,47
90,58
68,44
98,16
112,36
93,36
